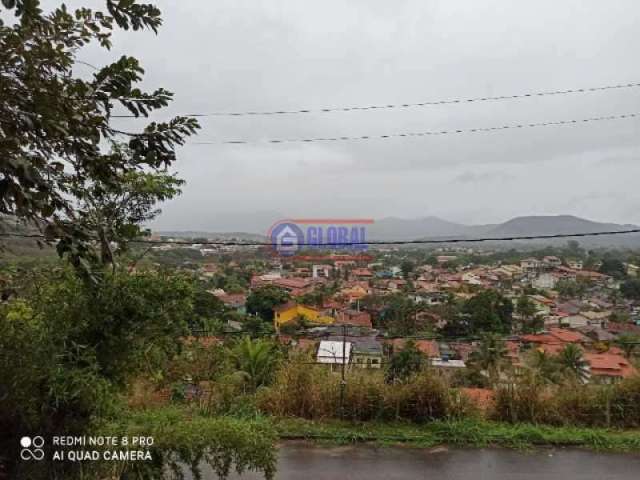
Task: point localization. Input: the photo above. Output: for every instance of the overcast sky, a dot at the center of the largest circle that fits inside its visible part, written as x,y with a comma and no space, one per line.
234,55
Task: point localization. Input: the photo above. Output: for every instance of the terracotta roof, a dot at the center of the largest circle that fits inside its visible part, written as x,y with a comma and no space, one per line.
552,348
555,336
292,282
617,327
354,317
462,349
539,338
362,272
568,336
609,364
234,299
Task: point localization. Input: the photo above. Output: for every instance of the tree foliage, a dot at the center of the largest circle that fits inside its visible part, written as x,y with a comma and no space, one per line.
631,288
489,356
404,364
255,360
62,161
264,299
488,311
571,359
613,267
69,348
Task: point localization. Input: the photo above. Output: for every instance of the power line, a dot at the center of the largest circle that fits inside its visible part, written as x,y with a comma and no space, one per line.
391,106
513,126
372,242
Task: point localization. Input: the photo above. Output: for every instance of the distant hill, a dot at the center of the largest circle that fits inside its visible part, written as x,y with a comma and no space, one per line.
549,225
433,227
394,228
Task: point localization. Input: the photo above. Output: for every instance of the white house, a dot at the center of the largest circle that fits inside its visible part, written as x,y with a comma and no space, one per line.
529,264
334,352
544,281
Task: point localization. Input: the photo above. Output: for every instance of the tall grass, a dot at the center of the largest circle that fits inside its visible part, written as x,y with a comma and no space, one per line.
571,404
313,392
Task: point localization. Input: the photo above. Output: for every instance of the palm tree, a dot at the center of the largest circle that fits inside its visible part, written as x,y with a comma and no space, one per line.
545,366
255,360
490,356
572,361
628,342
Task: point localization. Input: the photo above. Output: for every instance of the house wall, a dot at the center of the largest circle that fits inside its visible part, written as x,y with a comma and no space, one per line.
362,360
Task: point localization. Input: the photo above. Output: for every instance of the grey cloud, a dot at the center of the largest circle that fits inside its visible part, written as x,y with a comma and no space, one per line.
232,55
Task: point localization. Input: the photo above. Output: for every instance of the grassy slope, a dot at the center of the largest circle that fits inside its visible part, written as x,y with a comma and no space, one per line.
174,425
472,433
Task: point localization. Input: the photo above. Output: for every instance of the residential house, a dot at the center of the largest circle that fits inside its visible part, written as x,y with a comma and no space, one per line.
530,264
353,317
334,353
575,321
321,271
608,367
554,340
234,301
209,269
354,293
552,261
290,311
544,281
598,318
295,286
366,353
543,304
632,270
445,364
429,298
362,273
575,264
598,334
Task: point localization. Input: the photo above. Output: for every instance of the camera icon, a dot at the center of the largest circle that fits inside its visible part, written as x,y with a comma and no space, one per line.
32,448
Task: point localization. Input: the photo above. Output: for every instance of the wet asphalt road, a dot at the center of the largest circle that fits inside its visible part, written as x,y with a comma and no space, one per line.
301,461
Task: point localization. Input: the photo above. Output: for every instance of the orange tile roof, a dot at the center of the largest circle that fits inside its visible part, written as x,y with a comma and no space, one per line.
555,336
609,364
362,272
539,338
292,282
568,336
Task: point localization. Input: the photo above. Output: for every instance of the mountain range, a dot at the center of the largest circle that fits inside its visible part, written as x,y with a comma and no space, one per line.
394,228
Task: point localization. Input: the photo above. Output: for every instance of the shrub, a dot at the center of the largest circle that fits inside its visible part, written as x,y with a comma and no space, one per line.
528,400
313,392
302,390
625,403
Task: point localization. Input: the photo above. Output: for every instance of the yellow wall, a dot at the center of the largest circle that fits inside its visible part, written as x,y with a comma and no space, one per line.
310,314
